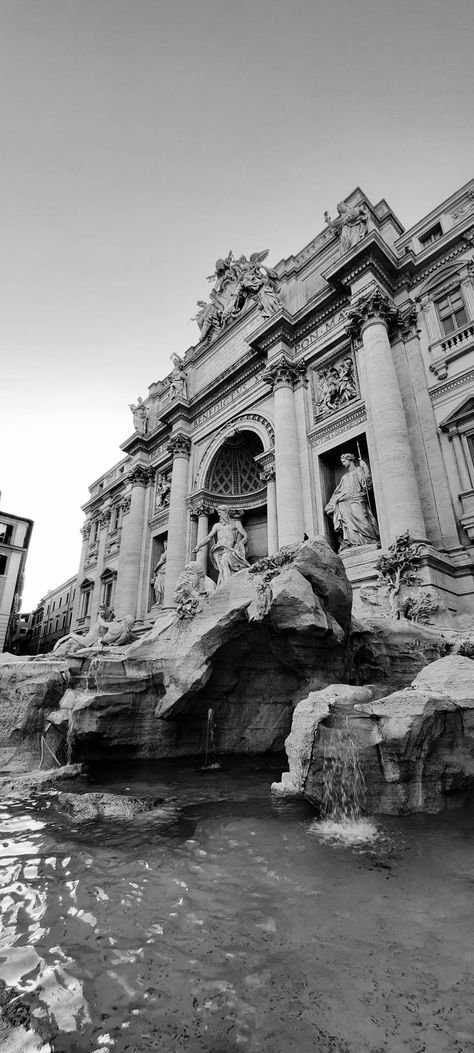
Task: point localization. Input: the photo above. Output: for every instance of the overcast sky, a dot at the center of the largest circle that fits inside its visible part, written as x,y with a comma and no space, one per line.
142,139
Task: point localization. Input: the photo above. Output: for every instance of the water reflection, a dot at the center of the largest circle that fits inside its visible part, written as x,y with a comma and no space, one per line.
234,927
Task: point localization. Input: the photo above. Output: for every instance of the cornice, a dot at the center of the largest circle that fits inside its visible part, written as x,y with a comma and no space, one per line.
337,424
451,385
371,253
277,329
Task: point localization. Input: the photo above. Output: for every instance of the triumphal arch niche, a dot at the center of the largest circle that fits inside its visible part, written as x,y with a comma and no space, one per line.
237,473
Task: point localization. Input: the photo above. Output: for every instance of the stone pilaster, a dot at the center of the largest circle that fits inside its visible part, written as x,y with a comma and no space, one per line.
104,520
180,447
282,374
267,476
86,533
370,318
126,592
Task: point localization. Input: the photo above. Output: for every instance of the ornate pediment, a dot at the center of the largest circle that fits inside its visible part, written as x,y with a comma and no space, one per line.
460,417
239,285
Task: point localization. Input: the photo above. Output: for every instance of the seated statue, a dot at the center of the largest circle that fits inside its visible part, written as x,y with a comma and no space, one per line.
75,641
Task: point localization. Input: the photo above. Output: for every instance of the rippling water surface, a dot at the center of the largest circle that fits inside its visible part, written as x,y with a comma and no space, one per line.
236,923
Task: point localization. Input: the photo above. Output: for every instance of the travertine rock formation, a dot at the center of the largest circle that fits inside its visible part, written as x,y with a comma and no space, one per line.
415,746
28,691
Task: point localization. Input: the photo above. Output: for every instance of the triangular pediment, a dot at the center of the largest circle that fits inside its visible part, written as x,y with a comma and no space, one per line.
86,584
463,413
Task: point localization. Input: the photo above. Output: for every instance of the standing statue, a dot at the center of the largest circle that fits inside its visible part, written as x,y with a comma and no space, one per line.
140,415
228,551
354,522
350,225
159,572
178,387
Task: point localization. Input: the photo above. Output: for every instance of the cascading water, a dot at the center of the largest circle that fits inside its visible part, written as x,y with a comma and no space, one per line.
343,790
211,762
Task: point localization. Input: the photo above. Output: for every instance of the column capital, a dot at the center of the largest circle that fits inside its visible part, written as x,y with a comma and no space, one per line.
105,516
179,445
86,529
201,508
373,307
267,473
283,372
140,475
126,502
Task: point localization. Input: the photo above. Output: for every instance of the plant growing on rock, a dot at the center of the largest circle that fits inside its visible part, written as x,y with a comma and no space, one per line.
418,608
398,567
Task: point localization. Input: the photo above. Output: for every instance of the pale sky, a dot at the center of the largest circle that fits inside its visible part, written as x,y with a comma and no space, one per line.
142,139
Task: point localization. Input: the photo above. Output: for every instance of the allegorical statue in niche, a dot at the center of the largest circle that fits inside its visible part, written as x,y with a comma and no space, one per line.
178,387
228,551
350,225
159,572
140,416
239,284
354,522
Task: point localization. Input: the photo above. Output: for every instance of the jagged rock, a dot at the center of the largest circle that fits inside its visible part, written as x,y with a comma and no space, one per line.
250,653
415,746
34,781
82,807
388,651
28,690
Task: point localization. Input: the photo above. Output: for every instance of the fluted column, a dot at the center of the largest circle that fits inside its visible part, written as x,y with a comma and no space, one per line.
370,317
180,447
104,520
128,578
86,533
202,513
282,375
267,476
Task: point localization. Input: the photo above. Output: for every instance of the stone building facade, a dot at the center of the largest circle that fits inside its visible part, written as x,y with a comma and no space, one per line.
15,536
52,618
361,343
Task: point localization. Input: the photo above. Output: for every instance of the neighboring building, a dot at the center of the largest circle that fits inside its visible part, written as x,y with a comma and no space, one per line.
52,618
15,535
363,341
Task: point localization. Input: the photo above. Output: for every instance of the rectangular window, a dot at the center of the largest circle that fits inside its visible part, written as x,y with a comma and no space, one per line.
60,601
64,621
86,603
67,598
6,531
108,587
56,627
3,564
434,234
451,311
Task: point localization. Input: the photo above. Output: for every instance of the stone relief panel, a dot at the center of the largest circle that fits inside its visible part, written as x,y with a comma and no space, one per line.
334,385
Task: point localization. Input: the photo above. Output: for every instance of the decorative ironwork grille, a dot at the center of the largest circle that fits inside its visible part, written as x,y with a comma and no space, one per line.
233,470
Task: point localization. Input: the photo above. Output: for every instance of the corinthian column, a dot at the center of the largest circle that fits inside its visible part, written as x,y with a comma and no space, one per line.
126,593
282,375
202,513
267,476
180,446
370,317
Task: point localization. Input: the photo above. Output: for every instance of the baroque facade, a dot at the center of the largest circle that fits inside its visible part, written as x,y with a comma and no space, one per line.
361,346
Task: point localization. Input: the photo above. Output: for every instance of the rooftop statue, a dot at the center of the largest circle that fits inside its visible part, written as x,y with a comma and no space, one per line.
178,387
238,286
350,225
140,416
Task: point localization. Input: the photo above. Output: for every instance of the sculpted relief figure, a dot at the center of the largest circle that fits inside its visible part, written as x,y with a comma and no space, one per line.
238,285
140,416
336,386
354,522
162,492
228,551
350,225
178,388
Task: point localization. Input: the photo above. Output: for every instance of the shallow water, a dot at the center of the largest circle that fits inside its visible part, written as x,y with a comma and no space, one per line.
238,923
